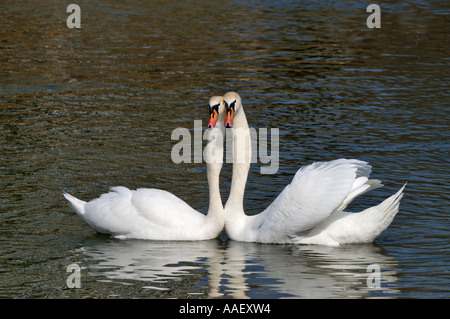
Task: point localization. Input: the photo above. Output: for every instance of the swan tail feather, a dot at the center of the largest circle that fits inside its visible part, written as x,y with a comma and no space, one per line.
383,214
79,207
392,205
76,204
352,228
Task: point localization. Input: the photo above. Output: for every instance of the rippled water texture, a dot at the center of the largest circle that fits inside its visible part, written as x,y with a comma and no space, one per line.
82,110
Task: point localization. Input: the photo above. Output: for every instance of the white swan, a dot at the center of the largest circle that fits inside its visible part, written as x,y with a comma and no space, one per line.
157,214
310,209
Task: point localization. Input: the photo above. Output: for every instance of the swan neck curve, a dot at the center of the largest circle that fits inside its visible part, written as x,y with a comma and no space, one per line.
241,162
214,161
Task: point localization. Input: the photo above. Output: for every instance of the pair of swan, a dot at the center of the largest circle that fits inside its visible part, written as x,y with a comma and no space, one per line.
310,210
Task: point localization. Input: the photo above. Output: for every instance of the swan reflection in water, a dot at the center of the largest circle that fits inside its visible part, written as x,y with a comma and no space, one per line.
218,269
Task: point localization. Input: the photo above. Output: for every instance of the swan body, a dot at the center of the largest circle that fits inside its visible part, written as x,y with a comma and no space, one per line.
310,210
157,214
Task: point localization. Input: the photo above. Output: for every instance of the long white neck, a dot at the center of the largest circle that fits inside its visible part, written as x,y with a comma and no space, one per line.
241,164
213,154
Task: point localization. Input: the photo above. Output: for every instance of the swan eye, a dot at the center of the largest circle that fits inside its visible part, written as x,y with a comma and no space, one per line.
213,108
231,105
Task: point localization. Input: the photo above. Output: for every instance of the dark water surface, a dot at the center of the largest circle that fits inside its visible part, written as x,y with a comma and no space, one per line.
82,110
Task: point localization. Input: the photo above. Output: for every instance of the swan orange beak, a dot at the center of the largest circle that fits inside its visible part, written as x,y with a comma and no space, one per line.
212,118
229,117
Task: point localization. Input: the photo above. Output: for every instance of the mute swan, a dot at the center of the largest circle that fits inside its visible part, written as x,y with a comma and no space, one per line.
157,214
310,209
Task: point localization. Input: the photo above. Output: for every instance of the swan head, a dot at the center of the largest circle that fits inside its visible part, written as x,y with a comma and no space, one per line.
215,108
233,104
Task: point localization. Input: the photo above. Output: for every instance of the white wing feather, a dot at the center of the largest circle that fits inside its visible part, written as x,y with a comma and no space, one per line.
142,213
315,192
